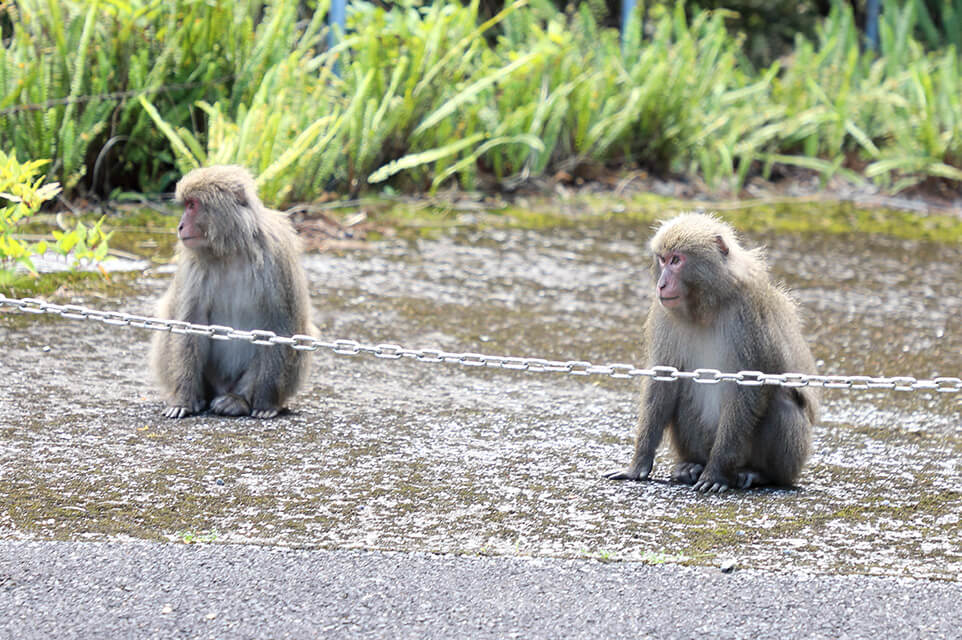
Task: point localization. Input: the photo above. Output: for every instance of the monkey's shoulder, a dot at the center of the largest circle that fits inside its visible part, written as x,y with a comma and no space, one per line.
767,302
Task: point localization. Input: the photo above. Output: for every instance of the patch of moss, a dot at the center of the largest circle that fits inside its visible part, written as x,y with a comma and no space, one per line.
844,217
19,285
789,215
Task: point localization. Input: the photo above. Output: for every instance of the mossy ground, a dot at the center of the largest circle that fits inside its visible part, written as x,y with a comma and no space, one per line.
414,456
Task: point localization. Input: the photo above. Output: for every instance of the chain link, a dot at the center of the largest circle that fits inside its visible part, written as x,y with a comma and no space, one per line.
661,373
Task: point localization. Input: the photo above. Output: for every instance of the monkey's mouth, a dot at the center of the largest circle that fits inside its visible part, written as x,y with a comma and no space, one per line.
192,241
670,302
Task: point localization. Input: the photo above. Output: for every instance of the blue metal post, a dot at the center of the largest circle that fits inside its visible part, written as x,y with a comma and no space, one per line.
337,19
627,6
871,24
337,16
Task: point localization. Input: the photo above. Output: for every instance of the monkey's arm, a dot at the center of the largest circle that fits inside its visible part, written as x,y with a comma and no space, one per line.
658,404
186,382
178,359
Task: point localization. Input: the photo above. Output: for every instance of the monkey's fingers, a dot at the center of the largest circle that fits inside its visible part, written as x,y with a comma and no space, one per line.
749,478
264,413
621,474
177,412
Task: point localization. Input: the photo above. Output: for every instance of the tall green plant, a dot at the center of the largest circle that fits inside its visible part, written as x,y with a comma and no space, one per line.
51,63
427,93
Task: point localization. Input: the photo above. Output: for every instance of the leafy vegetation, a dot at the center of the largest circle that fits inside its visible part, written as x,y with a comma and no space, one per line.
24,193
128,94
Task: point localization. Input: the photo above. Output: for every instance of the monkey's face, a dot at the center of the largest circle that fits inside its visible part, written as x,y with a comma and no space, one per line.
192,228
671,288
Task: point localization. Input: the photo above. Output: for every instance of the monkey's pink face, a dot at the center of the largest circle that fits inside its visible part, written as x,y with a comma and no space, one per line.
671,289
191,229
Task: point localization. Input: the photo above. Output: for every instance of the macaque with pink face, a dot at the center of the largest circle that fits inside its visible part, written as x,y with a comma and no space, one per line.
716,308
238,265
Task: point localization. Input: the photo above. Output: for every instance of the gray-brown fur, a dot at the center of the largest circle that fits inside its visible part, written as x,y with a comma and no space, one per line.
732,319
246,275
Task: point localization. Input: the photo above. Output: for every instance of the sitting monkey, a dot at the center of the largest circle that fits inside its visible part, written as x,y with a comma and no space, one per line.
237,265
716,308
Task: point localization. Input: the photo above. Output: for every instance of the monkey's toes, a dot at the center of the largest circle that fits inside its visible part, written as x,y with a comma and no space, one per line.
709,486
749,478
687,472
230,404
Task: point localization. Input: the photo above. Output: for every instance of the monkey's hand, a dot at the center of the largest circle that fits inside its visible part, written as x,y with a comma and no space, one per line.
634,471
176,412
181,405
181,410
269,412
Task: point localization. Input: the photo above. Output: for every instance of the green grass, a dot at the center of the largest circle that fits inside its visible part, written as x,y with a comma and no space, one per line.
424,96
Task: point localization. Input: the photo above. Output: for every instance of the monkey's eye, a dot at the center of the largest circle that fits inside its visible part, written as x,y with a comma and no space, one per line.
675,259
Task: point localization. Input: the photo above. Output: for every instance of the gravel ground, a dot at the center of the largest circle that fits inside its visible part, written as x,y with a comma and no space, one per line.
145,590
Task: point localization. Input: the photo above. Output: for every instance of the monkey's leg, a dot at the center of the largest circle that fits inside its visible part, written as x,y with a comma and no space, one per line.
733,446
781,444
259,388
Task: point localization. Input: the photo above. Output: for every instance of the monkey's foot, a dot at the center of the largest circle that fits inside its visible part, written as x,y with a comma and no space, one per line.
230,404
749,478
687,472
711,483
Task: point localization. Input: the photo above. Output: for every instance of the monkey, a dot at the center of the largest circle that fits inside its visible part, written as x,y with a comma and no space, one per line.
716,307
238,264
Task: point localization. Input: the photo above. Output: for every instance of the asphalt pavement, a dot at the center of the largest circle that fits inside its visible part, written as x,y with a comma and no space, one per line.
150,590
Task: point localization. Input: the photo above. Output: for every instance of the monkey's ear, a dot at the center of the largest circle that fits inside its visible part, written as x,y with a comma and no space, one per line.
240,195
722,245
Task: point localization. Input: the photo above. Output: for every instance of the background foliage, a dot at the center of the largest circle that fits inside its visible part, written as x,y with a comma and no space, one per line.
124,95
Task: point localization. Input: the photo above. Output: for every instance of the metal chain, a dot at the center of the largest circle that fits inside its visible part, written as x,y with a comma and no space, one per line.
534,365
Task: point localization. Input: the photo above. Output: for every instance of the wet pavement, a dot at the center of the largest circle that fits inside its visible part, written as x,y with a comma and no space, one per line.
410,456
